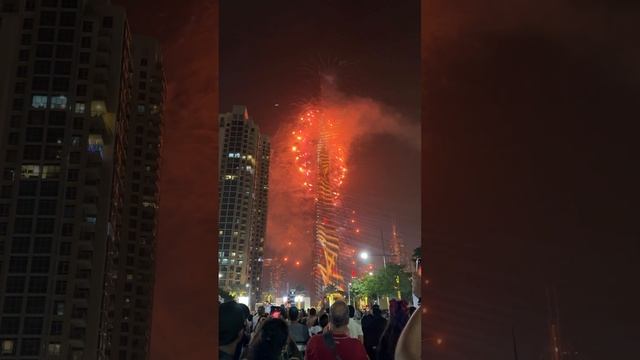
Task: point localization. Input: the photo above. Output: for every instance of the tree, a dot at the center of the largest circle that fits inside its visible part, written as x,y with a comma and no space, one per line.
226,295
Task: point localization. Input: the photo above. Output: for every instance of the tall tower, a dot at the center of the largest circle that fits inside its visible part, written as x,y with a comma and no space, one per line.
397,248
244,176
327,244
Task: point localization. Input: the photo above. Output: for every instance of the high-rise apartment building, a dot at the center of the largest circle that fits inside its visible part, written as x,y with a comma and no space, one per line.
131,264
243,189
66,76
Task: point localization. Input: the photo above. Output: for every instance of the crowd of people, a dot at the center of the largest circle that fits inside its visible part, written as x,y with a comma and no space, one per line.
339,332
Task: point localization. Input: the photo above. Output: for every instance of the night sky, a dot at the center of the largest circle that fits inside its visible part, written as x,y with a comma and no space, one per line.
184,313
531,179
271,53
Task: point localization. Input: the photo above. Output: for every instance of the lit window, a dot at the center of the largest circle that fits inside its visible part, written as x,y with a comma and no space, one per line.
54,349
51,172
30,171
230,155
91,220
59,102
98,108
8,347
39,102
140,109
96,144
79,108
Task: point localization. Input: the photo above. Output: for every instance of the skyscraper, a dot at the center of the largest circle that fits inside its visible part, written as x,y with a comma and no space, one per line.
127,323
65,107
243,188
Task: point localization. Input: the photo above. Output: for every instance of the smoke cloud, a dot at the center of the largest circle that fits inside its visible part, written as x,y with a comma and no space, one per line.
291,213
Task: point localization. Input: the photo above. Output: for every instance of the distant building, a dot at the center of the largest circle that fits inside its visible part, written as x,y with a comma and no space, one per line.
243,188
67,71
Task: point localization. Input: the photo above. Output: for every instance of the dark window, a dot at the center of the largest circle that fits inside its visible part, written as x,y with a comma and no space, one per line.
28,188
18,104
36,117
107,22
19,88
47,207
63,268
68,19
32,152
85,42
18,264
72,175
45,226
38,284
55,136
30,347
14,137
25,207
143,62
11,155
23,225
56,327
64,51
47,18
49,188
12,305
61,287
44,51
87,26
42,67
46,34
83,73
40,83
4,209
34,134
26,39
15,284
61,84
9,325
52,153
42,245
84,58
81,90
20,245
65,248
67,229
27,23
71,193
78,123
74,158
22,71
32,326
50,3
65,35
62,68
23,55
57,118
40,264
69,4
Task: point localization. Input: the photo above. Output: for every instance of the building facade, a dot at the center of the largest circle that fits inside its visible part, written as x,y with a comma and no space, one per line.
66,109
243,188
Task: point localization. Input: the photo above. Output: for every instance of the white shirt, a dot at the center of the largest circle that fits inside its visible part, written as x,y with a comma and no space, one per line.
355,329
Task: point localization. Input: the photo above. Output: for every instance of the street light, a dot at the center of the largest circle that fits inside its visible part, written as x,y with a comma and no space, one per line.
364,255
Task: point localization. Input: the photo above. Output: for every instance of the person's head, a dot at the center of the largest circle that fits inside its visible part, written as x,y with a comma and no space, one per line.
376,310
339,314
246,311
260,310
231,323
269,340
312,312
324,320
293,313
352,311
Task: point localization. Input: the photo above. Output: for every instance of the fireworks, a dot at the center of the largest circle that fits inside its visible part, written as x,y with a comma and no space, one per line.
313,126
